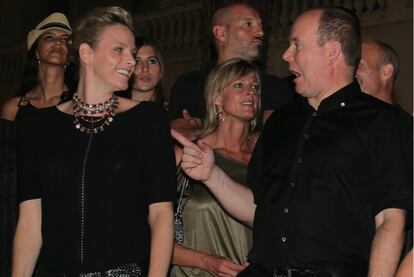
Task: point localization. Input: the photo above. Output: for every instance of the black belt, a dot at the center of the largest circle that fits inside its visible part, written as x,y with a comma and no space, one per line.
292,272
334,270
262,271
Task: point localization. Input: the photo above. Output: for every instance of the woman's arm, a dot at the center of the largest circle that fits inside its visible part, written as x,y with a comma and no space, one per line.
160,219
216,265
28,238
10,108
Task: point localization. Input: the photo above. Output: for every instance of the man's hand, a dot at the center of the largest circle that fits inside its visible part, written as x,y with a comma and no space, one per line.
188,126
222,267
197,160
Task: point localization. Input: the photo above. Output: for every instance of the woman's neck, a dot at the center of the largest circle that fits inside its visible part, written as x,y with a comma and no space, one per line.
140,96
232,136
50,87
51,74
91,90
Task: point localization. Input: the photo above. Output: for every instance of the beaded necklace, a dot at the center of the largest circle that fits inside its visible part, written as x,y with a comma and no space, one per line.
85,121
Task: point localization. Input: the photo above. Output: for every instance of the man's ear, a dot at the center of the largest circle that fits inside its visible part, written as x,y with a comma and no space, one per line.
219,32
386,71
85,53
333,51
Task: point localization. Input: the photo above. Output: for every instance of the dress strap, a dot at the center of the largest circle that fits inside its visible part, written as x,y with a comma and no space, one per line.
23,101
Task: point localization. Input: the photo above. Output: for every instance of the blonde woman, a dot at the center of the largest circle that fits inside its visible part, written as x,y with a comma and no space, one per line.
215,244
99,206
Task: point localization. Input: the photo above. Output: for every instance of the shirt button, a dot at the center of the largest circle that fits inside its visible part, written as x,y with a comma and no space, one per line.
314,114
285,210
292,184
284,239
299,160
342,104
306,136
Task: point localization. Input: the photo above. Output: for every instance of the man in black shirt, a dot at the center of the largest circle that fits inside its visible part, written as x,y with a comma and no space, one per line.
376,74
237,32
328,177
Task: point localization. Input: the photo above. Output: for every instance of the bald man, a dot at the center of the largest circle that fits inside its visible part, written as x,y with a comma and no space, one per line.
237,31
378,69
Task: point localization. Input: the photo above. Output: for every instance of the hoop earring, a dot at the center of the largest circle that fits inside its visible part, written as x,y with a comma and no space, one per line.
219,117
252,123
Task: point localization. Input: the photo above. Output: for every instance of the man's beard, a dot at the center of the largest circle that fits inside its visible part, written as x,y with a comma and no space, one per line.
254,54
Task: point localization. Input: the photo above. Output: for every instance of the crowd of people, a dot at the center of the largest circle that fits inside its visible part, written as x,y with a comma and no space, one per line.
242,174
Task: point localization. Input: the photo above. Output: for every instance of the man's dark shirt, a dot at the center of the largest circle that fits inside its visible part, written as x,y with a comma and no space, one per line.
320,177
188,93
408,243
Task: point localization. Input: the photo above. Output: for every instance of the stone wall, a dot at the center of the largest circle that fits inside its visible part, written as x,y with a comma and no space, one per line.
181,29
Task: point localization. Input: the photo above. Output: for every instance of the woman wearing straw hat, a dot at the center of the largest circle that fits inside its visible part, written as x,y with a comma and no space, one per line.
102,205
46,75
44,82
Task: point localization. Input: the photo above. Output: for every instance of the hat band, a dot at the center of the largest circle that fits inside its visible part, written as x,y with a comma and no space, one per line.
56,25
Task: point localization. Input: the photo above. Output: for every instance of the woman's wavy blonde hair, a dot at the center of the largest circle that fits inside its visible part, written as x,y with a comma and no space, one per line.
221,76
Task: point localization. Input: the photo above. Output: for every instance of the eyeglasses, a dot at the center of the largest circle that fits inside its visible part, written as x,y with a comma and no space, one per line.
48,38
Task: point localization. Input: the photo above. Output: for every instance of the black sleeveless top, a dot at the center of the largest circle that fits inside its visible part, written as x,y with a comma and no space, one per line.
26,109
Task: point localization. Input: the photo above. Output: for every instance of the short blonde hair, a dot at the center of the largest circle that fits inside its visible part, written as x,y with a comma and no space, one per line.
221,76
90,27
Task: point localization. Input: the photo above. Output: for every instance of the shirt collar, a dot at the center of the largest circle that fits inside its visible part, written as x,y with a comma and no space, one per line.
341,99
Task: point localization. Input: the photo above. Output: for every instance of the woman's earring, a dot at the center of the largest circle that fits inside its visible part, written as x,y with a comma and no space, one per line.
253,123
219,117
37,58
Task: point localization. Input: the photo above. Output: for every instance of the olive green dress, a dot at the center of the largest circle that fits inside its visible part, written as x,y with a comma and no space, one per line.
207,227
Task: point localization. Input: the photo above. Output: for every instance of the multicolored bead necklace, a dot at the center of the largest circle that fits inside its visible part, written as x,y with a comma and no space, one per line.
85,114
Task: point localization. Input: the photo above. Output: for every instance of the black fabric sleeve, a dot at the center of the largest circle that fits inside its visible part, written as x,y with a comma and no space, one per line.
255,169
178,98
188,93
393,165
160,160
27,138
276,92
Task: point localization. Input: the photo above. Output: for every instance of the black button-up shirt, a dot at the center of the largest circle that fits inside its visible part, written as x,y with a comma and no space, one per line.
319,177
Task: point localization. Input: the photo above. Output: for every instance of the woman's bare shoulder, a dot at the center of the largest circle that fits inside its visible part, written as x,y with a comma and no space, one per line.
10,108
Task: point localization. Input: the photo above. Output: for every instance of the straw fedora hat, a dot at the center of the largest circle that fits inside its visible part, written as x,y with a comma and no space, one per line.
53,21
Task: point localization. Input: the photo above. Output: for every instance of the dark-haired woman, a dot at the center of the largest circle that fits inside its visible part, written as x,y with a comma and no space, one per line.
145,84
46,81
46,76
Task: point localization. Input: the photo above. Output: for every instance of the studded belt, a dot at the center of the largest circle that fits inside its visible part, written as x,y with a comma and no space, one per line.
126,270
